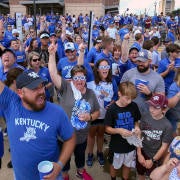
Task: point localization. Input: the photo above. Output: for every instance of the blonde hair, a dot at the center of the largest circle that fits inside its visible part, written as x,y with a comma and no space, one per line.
31,55
177,76
128,89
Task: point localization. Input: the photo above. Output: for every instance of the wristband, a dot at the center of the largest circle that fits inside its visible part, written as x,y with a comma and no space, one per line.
61,164
153,160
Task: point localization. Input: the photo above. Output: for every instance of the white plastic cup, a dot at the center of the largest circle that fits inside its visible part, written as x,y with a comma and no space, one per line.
45,168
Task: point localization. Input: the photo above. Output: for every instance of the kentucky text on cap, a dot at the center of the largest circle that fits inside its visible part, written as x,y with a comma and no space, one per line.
30,80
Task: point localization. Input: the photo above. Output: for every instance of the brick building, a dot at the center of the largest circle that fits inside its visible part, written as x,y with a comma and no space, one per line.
166,6
64,6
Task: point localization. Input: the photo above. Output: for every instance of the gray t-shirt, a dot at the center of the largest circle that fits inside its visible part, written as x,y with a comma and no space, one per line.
154,132
154,81
67,101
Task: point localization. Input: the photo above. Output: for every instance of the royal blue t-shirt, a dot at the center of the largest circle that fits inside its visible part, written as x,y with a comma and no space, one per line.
171,36
4,74
173,90
92,54
8,35
108,57
123,32
95,34
64,66
168,79
20,56
44,74
33,135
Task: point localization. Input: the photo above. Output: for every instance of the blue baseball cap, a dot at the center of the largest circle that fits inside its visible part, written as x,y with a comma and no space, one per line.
52,34
144,55
29,79
133,47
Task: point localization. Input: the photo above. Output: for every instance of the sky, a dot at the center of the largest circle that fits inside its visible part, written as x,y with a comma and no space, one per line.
138,6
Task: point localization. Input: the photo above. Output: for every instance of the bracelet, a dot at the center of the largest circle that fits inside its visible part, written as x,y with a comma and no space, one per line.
61,164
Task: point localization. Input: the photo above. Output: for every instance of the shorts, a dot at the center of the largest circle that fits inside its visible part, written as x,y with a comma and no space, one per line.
144,171
119,159
97,122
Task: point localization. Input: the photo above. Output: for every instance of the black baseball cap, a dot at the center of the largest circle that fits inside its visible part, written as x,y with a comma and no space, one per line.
29,79
8,50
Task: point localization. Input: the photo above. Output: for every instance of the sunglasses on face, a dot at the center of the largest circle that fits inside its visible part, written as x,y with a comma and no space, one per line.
35,60
107,67
69,51
77,78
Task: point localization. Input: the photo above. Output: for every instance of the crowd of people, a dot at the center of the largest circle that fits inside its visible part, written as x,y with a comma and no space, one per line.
59,95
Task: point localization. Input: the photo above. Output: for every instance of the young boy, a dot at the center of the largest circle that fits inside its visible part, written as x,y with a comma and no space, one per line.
156,132
120,119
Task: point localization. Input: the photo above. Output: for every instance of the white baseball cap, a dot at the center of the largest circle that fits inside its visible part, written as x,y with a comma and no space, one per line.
69,46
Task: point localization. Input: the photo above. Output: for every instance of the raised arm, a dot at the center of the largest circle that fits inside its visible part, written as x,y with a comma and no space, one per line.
174,100
63,35
56,78
125,48
81,51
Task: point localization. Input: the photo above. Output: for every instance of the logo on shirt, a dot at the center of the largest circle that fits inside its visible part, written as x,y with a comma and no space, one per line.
29,134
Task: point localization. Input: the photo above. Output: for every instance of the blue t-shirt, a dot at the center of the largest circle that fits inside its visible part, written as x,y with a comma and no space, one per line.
64,66
95,34
171,36
28,41
4,42
173,90
20,56
123,32
33,135
44,74
108,57
8,35
51,28
168,79
60,49
4,74
92,54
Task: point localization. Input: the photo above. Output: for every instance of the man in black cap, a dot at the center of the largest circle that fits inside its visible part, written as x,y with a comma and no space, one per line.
33,129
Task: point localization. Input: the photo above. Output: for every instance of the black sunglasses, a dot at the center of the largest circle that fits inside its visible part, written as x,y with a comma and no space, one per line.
35,60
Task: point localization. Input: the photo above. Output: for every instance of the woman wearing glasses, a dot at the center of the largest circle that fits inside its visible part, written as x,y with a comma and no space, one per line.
35,64
81,106
105,89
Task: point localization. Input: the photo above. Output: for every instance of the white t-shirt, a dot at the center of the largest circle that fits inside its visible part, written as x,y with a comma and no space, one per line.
112,32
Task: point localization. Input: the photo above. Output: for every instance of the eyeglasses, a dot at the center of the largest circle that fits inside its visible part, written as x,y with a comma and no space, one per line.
77,78
107,67
69,51
35,60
